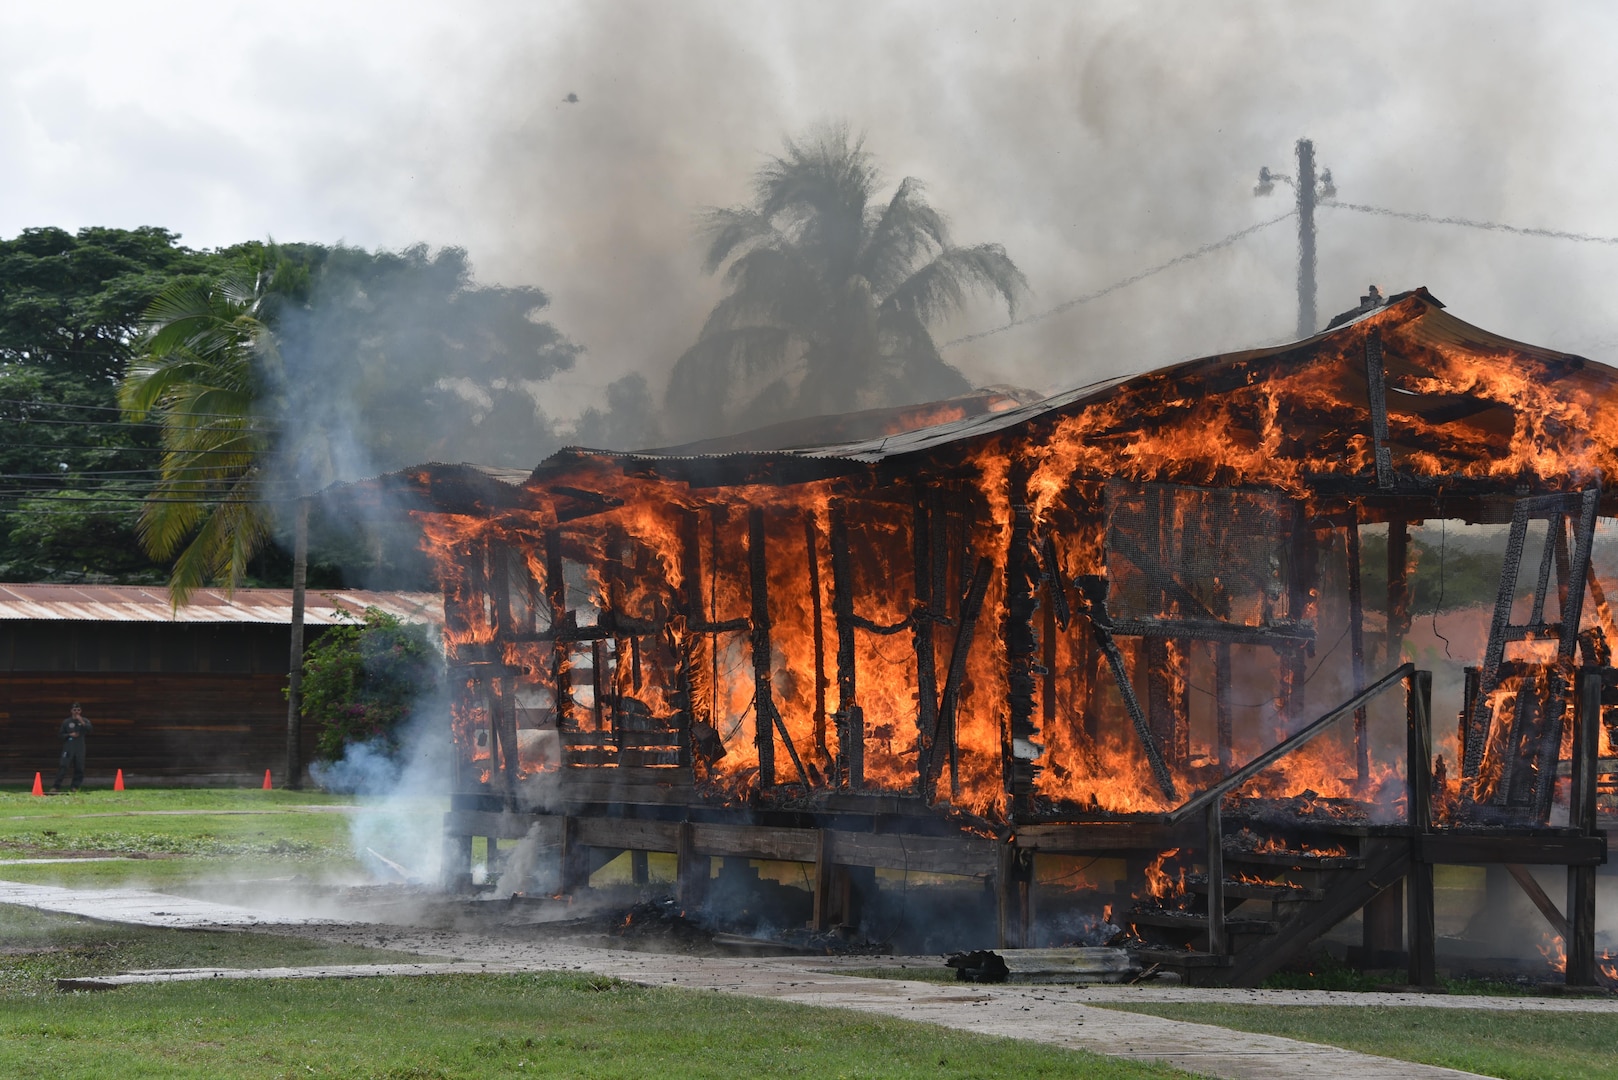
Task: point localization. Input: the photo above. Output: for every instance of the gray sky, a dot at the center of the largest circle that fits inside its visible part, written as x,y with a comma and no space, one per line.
1092,140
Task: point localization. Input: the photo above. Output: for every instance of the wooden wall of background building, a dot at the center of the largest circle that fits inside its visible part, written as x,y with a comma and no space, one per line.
171,702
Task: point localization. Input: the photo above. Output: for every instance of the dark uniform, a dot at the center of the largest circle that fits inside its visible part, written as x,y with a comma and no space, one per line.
74,730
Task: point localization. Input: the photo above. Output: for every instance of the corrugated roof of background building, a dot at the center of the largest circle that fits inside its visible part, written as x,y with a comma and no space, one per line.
142,603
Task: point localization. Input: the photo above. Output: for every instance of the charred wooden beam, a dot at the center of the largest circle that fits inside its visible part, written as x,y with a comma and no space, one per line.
598,690
811,539
1093,590
943,742
1160,706
759,597
1356,642
1550,737
1279,635
850,720
1018,748
1477,724
1376,382
1126,690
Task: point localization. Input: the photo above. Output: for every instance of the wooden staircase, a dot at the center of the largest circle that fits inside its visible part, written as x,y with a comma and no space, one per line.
1276,902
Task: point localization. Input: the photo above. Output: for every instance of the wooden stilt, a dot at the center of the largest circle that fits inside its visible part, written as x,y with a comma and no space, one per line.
640,870
691,871
1215,839
821,920
1581,880
1420,931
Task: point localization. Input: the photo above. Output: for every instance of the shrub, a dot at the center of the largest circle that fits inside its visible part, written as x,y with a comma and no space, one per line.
361,680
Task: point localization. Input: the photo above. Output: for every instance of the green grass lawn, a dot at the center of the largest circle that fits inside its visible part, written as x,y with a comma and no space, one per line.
1513,1045
165,838
481,1026
39,947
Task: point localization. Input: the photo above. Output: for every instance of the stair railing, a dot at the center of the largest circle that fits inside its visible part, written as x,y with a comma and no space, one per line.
1418,705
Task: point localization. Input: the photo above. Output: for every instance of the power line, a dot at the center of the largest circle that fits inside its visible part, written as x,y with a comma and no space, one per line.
1472,223
1205,249
107,408
5,446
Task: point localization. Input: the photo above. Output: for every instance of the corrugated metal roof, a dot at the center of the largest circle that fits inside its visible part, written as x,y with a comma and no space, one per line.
139,603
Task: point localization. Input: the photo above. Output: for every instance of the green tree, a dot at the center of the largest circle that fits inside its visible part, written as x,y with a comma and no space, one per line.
389,359
831,293
362,680
197,378
71,475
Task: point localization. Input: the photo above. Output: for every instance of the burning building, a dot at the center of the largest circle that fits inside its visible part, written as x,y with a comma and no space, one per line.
1126,623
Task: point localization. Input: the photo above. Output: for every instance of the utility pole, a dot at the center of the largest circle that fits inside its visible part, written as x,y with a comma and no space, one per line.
300,571
1310,189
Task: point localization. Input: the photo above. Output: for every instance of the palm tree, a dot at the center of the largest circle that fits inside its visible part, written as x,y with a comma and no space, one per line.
196,377
831,293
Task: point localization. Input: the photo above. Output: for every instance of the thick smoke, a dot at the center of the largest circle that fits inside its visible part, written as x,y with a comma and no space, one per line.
1092,141
397,829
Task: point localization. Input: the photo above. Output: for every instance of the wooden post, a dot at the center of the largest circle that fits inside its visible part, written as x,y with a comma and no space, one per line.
850,721
575,859
1421,934
502,693
1398,590
1581,880
556,596
1224,715
922,635
300,575
759,597
811,539
1216,878
640,868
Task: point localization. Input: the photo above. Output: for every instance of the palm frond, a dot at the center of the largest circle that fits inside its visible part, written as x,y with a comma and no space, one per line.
732,230
906,230
942,285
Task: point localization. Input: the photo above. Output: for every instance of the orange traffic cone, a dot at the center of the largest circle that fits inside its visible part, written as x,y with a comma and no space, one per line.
39,786
118,781
266,779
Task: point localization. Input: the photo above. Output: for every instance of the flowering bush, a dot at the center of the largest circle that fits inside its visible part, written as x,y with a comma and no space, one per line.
361,680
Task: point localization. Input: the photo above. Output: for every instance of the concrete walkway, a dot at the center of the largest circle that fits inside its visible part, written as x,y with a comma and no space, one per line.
1049,1014
143,908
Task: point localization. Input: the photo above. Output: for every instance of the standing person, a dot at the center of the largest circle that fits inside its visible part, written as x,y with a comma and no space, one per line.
74,730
